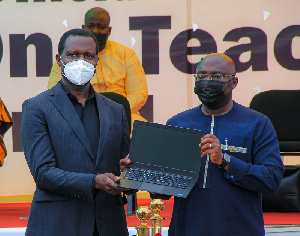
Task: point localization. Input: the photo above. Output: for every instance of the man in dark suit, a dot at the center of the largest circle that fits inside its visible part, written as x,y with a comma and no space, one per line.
75,142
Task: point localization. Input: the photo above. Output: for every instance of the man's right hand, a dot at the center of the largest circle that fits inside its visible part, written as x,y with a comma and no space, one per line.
106,182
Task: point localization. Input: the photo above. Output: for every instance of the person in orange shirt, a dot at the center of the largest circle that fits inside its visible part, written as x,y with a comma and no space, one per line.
118,69
5,123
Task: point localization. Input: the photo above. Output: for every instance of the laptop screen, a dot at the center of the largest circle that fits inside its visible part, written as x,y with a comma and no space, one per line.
166,146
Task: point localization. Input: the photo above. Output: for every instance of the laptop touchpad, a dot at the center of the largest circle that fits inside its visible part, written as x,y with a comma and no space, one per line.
152,187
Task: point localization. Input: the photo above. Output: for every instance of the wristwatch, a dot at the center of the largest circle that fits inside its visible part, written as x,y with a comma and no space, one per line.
225,161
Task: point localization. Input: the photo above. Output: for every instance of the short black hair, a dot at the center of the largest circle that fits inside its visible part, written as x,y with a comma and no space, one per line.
74,33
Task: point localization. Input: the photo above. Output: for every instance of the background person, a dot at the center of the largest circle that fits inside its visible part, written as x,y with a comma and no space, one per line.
5,123
118,69
75,142
240,159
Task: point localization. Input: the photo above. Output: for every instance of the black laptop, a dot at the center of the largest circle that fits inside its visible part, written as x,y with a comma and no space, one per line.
165,159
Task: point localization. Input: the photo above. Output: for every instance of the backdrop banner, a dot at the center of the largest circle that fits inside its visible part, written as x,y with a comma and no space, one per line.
169,37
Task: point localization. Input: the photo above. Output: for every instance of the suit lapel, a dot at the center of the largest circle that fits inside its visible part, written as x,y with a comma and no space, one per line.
63,104
104,124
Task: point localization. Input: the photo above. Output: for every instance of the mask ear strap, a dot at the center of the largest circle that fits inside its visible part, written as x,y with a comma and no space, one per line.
61,61
63,73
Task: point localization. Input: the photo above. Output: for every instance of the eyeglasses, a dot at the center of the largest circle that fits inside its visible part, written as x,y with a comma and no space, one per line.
214,76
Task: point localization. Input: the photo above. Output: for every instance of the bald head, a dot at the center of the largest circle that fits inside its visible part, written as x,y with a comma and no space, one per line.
215,81
97,21
217,62
95,12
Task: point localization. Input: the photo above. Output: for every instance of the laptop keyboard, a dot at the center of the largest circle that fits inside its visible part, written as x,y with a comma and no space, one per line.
155,177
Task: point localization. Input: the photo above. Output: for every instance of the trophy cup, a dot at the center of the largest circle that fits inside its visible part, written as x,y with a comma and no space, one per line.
143,213
157,205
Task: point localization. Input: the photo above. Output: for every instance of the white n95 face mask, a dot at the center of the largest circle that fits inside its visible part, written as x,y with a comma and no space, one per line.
78,72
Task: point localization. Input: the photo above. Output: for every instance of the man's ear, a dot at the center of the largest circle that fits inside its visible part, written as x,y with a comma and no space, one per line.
58,60
235,82
109,31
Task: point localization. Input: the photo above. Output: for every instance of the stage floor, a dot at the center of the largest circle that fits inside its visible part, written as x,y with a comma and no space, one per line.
14,218
278,230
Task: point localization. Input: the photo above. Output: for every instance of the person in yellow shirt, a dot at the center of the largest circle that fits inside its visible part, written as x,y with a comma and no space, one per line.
118,69
5,123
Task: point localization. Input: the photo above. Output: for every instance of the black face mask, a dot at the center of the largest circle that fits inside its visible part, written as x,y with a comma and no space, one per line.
101,39
210,92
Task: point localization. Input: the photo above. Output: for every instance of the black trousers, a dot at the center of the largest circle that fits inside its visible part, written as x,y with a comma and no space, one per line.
95,230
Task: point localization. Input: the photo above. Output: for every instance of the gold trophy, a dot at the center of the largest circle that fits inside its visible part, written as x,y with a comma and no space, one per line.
143,213
157,205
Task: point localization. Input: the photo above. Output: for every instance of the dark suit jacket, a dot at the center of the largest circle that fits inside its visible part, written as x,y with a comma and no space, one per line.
62,164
